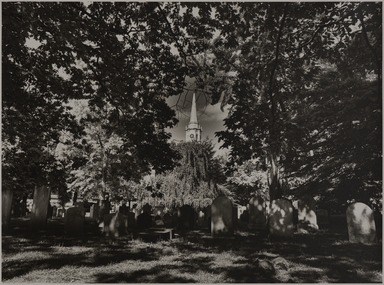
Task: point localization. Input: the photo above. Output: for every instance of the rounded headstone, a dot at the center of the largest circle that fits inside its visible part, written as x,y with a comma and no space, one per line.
281,218
186,217
168,220
144,221
361,224
221,217
147,209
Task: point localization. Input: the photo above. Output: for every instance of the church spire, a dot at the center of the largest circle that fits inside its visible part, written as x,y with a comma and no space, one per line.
193,130
193,118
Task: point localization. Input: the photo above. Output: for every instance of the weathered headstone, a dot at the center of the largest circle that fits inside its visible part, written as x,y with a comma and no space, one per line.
41,198
54,211
200,219
95,211
105,208
281,218
144,221
221,217
306,216
147,209
80,205
115,225
186,218
244,217
207,217
361,224
6,205
168,220
60,212
74,221
322,218
257,213
131,220
124,210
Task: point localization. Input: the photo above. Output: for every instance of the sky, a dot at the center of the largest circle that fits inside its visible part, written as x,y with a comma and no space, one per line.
210,118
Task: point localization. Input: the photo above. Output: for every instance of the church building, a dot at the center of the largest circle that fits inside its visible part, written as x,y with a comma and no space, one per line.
193,130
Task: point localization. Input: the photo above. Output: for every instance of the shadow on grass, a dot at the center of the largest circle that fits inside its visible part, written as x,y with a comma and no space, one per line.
157,274
321,257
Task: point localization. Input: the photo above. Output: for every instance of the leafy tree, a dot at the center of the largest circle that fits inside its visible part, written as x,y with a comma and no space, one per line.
343,142
247,180
195,180
259,67
114,55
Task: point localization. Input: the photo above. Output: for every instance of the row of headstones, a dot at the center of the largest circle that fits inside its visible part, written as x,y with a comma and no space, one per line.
360,218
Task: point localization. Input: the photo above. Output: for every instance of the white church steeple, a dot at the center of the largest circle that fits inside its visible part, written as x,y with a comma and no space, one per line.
193,130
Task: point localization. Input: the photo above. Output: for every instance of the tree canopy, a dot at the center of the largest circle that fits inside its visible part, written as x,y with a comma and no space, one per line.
302,82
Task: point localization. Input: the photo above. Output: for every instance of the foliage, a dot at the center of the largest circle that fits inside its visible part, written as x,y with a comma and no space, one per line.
344,141
114,55
259,67
194,181
247,180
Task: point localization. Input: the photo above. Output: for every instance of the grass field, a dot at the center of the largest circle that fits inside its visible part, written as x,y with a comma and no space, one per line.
50,256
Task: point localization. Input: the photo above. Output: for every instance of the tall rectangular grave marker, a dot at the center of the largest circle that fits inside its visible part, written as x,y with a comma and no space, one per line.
221,217
40,206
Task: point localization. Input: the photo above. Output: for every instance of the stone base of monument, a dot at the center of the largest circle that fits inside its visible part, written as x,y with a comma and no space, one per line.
156,234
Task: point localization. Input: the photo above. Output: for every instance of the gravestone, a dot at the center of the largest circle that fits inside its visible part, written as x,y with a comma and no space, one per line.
80,205
6,205
322,218
186,218
114,225
39,215
74,221
61,212
144,221
361,224
168,220
147,209
281,218
95,211
207,217
131,220
54,211
105,208
244,217
306,216
221,217
124,210
200,219
257,214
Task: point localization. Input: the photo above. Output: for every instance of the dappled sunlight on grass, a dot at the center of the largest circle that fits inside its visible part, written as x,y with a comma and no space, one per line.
194,257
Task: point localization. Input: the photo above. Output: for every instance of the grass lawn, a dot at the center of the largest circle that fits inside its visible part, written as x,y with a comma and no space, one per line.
50,256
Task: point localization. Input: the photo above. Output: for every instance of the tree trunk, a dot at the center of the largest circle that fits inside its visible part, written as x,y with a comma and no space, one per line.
275,190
